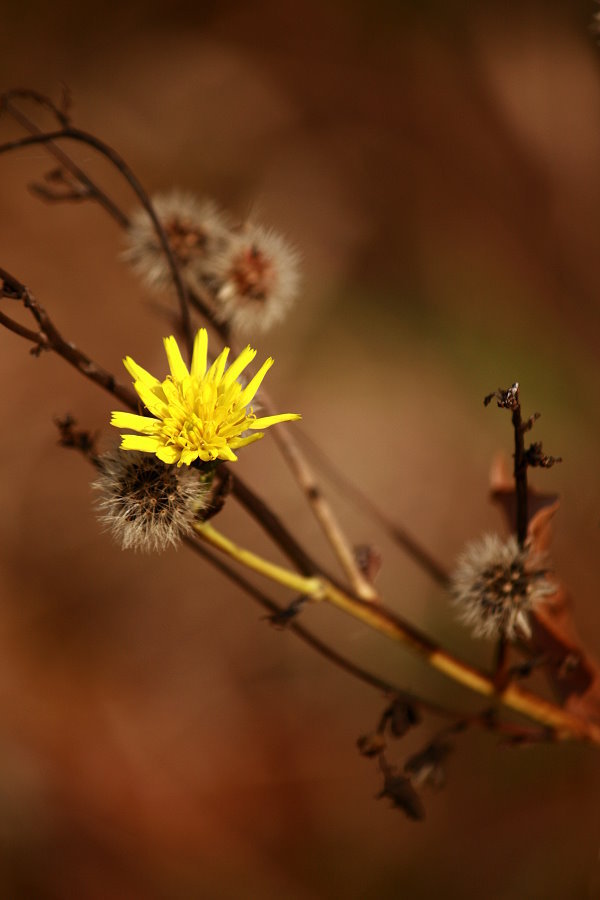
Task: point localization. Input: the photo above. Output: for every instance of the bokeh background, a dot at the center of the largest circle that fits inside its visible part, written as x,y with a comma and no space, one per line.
438,166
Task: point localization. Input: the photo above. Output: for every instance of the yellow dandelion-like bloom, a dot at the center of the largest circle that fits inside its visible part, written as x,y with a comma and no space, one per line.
197,413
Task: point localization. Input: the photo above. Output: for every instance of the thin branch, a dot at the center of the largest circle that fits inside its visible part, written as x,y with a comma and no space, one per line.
92,190
259,510
304,634
520,472
509,399
397,532
49,338
75,134
323,512
564,724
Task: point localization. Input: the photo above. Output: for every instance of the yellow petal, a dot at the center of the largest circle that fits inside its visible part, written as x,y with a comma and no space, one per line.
168,454
267,421
216,370
137,423
199,354
178,368
238,365
188,456
152,403
140,442
236,443
139,374
226,452
252,386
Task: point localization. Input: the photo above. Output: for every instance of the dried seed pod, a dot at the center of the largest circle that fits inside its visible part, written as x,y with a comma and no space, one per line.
256,279
495,585
146,504
196,231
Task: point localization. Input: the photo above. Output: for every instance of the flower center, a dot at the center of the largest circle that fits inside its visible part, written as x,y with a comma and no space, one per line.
203,417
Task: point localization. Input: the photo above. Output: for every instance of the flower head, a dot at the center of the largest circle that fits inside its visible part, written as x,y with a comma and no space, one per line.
145,504
196,232
256,279
197,414
496,584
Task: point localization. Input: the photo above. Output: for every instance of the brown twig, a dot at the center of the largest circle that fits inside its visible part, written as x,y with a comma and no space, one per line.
75,134
322,509
92,190
49,338
397,532
509,399
259,510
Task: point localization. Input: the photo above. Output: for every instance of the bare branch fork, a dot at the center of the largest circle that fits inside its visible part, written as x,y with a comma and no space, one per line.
75,134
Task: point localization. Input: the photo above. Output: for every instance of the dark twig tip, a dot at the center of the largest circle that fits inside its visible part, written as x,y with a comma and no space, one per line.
284,617
535,457
505,399
528,425
75,438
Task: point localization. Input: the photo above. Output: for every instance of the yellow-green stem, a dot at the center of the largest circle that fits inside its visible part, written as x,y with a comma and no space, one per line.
299,583
563,723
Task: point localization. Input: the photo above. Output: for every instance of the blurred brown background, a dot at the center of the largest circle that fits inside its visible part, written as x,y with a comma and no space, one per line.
438,165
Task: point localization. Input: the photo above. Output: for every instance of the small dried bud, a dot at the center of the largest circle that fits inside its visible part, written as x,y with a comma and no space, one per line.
146,504
505,399
371,744
404,714
495,585
196,233
427,766
401,792
535,456
369,560
256,279
284,617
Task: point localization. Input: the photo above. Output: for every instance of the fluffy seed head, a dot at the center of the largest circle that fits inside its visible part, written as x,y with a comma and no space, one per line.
146,504
256,279
495,585
196,232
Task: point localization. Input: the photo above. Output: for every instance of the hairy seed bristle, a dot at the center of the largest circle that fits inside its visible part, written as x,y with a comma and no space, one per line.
256,279
196,232
495,586
146,504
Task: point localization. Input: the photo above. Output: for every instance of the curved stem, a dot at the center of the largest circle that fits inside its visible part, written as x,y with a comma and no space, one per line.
299,583
75,134
323,512
564,724
63,158
398,533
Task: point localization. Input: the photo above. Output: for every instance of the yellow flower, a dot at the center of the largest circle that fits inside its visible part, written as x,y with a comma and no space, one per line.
195,414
